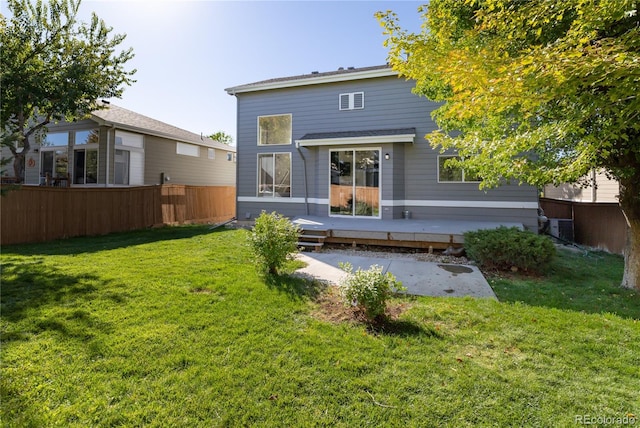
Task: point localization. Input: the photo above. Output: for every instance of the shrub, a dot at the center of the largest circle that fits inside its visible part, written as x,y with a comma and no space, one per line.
368,289
505,248
274,240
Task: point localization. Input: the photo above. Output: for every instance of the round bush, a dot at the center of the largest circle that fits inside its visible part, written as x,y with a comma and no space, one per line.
274,240
368,289
505,248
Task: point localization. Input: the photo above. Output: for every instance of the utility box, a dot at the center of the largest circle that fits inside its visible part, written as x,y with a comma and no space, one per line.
561,228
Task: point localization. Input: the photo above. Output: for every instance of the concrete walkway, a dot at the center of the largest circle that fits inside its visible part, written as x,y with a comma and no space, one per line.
419,277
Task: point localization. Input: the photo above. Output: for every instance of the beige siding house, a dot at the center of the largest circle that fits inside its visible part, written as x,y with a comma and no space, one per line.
600,189
118,147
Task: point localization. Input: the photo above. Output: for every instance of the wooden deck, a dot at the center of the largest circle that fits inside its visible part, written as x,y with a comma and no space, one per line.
409,233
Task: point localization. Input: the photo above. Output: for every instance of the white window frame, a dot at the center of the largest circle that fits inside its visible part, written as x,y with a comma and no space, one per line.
211,153
67,133
274,194
462,169
186,149
129,139
357,149
86,148
351,101
259,136
75,138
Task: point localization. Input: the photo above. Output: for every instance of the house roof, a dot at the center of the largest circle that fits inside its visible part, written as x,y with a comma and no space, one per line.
315,78
129,120
397,135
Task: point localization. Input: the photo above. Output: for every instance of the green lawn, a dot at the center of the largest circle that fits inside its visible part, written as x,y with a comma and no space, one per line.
175,327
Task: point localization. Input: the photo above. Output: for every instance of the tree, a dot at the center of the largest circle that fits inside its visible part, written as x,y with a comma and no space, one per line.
222,137
54,68
536,91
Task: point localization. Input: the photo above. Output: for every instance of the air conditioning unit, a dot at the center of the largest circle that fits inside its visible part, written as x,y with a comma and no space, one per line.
561,228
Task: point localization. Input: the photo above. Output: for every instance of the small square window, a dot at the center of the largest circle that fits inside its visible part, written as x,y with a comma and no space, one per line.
211,153
351,101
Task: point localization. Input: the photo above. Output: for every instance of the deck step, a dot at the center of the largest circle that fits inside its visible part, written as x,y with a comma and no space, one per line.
312,239
308,245
319,237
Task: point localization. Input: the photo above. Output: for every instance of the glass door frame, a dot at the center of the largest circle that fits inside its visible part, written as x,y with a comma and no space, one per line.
353,169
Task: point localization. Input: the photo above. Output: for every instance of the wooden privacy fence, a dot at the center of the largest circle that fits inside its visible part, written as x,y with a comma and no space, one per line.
599,225
37,214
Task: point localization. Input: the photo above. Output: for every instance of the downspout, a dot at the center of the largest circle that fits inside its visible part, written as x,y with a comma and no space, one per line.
106,178
304,179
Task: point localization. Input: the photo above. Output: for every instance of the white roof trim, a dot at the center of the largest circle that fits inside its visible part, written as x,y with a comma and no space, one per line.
379,139
305,81
138,130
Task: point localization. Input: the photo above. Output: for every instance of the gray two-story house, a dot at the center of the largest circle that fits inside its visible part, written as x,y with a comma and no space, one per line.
350,144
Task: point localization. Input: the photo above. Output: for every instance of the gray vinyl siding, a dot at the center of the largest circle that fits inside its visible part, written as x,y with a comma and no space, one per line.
409,175
161,157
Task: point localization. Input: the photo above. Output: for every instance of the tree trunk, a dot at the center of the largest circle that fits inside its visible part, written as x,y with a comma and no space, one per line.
630,204
18,166
631,277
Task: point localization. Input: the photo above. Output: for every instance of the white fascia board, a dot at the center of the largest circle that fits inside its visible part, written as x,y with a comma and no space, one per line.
305,81
461,204
380,139
152,133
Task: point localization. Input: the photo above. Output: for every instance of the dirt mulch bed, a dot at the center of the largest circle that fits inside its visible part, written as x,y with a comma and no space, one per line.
331,309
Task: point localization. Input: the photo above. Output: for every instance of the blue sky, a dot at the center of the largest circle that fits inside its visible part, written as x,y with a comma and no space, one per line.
188,52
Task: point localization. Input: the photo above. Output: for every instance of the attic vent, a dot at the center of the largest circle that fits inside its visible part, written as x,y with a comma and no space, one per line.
351,101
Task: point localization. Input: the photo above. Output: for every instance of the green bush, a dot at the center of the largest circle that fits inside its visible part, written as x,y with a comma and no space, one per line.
274,240
505,248
369,289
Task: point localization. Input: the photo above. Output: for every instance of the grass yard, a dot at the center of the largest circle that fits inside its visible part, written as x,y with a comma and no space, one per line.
175,327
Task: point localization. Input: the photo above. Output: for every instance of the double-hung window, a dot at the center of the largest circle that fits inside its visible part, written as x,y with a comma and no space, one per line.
274,175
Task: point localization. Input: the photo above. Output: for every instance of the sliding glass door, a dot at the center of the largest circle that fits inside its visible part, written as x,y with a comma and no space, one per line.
355,189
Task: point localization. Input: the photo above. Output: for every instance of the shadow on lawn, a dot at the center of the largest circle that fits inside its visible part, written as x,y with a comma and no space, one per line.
27,287
402,328
295,286
577,281
91,244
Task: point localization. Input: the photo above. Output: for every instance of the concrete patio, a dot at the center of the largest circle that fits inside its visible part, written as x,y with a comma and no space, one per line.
419,277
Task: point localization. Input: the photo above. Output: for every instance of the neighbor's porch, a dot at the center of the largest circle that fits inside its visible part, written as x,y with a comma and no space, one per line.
435,234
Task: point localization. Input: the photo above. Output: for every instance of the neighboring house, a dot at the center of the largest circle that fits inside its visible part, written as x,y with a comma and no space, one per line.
118,147
350,143
598,188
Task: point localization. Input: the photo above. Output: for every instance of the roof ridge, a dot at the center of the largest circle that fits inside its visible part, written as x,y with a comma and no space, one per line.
314,78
